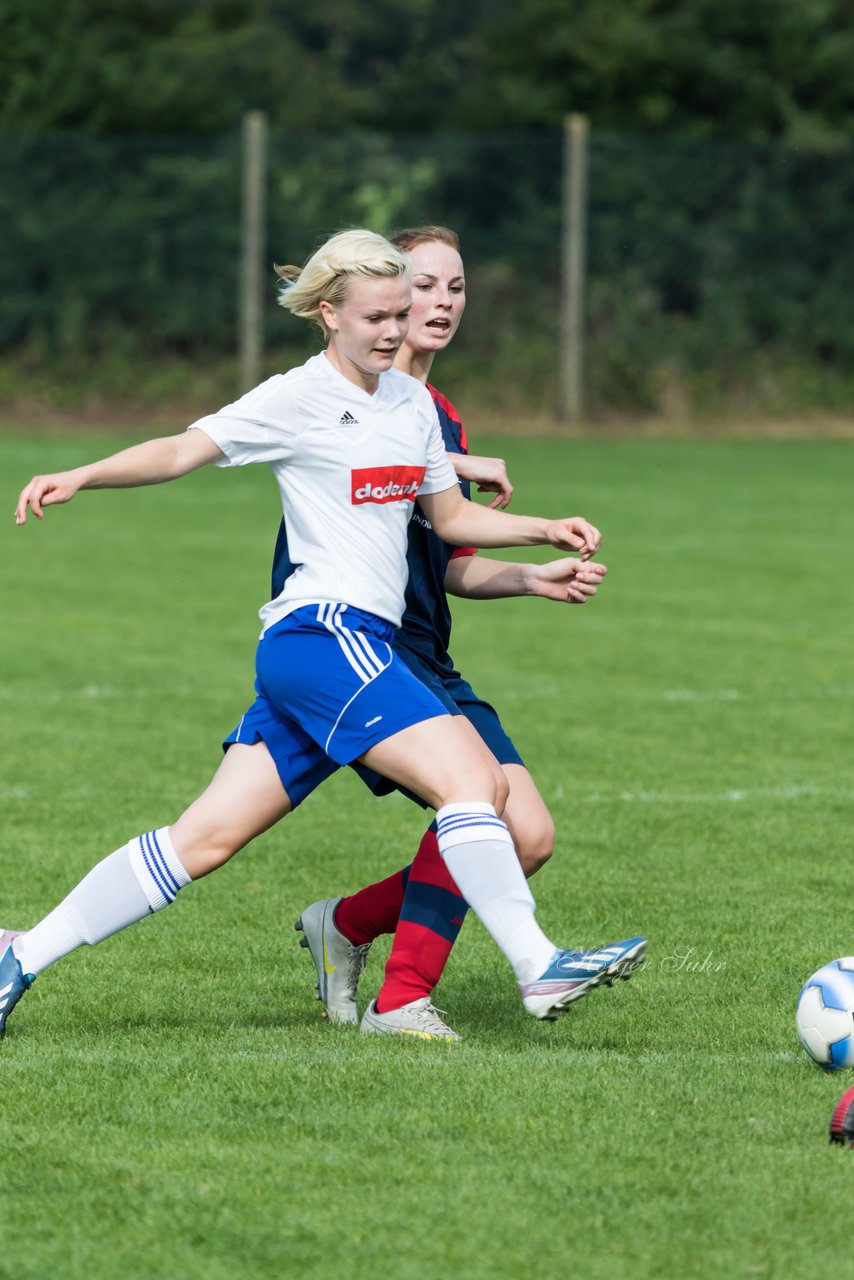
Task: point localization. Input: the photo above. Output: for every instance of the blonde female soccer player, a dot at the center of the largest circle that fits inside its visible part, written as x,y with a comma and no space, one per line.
352,443
420,904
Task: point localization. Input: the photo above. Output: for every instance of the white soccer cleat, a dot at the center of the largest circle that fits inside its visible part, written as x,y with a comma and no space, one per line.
418,1019
338,961
571,974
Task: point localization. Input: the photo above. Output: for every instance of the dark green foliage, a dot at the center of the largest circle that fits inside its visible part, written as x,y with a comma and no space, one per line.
106,236
721,229
195,66
720,273
712,263
772,68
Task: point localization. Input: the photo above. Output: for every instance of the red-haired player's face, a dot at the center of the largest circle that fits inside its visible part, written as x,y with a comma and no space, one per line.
368,328
438,296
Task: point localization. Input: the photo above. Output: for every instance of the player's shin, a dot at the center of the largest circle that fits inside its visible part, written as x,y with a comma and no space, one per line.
479,853
131,883
372,911
431,916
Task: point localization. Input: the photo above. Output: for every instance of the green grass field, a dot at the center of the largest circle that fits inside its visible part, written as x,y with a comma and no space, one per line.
173,1104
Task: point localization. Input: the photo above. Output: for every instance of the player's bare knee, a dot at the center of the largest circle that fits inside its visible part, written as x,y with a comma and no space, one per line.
202,852
502,790
533,859
479,783
536,845
496,789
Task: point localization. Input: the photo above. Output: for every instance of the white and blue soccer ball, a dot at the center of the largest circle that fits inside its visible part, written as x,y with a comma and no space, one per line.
825,1015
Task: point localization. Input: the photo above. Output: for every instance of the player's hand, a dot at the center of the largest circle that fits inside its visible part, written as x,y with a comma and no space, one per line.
569,581
489,474
574,534
44,491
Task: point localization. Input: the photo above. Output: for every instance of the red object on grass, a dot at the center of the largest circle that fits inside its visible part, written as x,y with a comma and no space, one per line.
842,1120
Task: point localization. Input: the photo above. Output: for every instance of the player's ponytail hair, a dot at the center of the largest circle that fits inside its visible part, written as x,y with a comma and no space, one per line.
327,274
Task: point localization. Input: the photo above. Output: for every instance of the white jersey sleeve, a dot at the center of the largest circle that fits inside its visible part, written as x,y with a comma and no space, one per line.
262,426
440,473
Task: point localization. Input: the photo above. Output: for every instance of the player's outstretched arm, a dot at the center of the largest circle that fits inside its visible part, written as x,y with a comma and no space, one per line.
568,580
489,474
153,462
466,524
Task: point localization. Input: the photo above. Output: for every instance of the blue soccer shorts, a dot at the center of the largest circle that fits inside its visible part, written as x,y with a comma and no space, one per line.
459,699
329,688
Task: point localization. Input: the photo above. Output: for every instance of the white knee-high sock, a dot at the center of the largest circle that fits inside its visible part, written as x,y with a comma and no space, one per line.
138,879
479,853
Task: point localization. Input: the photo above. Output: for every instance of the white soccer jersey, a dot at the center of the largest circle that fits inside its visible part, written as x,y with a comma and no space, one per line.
349,466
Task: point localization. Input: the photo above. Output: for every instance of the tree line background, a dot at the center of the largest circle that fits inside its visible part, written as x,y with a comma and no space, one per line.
721,216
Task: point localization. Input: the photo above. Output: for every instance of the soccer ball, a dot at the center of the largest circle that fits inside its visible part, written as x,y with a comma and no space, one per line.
825,1015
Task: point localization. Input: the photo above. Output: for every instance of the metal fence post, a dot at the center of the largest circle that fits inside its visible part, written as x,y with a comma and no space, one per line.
252,247
573,264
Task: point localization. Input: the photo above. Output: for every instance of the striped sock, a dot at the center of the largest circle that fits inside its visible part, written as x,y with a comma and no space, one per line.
374,910
157,867
479,853
141,877
431,916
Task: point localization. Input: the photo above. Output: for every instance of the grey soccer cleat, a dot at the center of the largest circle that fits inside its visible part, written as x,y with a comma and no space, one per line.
418,1019
338,961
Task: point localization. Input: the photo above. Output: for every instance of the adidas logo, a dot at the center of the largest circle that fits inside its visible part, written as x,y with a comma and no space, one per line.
347,420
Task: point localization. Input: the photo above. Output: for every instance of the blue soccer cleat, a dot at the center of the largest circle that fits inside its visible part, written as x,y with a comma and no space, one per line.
13,984
572,974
